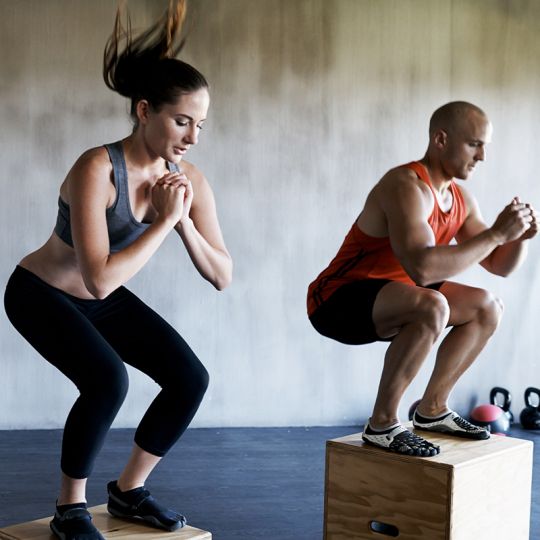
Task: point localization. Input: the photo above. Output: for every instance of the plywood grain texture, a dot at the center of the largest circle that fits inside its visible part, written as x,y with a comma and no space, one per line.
473,490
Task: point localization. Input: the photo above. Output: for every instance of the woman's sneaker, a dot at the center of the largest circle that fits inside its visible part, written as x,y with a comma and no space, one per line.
400,440
74,524
140,505
452,424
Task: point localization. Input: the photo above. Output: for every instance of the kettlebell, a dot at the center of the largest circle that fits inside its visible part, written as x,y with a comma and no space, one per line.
530,415
507,400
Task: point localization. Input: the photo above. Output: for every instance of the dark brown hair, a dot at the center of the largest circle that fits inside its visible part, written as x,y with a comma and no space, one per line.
145,67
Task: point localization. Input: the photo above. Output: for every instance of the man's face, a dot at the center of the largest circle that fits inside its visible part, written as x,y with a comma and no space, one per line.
465,145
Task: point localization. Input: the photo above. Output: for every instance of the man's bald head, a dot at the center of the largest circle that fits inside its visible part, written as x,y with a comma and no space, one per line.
453,115
458,134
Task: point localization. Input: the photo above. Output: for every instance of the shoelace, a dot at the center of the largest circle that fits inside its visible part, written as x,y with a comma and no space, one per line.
464,424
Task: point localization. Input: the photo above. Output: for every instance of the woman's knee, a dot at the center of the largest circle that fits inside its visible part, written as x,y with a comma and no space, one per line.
185,376
202,382
204,378
199,379
108,387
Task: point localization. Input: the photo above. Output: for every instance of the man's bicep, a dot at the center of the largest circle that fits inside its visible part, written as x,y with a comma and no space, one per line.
407,214
409,237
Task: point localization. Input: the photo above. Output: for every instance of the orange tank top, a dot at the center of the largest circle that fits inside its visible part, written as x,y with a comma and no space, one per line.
367,257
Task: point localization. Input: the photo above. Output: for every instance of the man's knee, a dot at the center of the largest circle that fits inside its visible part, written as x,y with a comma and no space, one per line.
433,310
490,310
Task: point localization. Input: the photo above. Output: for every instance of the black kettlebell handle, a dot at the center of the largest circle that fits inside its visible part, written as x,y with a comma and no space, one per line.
532,391
506,397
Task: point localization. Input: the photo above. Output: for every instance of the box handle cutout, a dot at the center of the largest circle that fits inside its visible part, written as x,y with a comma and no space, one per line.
384,528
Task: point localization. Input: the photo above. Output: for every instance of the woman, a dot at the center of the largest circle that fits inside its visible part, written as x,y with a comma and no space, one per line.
116,206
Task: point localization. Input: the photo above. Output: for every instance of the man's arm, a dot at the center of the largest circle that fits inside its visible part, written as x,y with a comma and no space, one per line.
507,257
407,206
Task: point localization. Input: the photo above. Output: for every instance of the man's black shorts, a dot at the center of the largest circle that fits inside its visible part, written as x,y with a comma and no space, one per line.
347,316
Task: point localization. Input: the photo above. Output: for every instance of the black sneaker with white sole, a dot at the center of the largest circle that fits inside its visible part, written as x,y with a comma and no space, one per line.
450,423
400,440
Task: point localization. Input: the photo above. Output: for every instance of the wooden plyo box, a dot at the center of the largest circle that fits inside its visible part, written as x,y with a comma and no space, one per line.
109,526
473,490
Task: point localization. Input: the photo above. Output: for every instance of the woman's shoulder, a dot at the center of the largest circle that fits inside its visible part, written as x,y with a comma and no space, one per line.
96,157
92,162
193,173
91,171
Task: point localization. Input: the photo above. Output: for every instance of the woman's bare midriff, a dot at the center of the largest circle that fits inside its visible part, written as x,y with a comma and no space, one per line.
56,264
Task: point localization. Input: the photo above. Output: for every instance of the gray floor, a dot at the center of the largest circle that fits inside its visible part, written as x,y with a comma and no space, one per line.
237,483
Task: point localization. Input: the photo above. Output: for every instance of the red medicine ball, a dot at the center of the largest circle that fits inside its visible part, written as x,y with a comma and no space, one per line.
492,417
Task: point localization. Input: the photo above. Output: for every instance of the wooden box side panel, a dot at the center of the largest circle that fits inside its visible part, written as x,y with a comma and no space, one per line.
365,486
492,498
326,480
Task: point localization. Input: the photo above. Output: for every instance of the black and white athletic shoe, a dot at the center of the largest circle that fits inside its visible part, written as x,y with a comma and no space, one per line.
138,504
450,423
75,524
400,440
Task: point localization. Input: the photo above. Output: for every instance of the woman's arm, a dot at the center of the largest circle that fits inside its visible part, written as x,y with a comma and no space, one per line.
89,192
200,231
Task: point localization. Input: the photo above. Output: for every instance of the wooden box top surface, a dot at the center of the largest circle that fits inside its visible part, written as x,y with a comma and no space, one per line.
110,527
455,452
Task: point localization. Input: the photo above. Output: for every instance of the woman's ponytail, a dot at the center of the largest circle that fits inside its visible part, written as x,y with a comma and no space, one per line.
145,67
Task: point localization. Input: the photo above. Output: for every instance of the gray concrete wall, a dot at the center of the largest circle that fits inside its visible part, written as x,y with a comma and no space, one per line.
313,100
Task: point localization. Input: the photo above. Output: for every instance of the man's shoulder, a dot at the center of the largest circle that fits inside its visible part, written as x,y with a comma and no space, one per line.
401,191
403,178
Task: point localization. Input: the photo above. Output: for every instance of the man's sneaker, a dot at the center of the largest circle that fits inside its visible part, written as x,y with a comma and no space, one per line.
400,440
452,424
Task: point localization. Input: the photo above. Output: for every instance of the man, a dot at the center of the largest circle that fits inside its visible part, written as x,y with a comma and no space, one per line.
390,278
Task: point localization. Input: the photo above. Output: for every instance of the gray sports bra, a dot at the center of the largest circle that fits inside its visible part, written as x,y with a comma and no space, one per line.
122,226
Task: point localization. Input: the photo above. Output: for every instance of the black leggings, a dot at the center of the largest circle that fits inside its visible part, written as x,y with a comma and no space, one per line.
89,341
